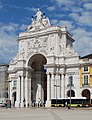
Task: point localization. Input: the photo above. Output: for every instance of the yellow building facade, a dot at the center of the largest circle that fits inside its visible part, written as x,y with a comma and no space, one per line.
87,73
86,77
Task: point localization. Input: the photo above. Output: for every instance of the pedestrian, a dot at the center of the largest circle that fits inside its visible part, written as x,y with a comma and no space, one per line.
19,104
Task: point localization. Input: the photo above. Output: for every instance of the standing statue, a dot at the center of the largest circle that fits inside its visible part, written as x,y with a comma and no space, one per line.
39,21
32,24
39,15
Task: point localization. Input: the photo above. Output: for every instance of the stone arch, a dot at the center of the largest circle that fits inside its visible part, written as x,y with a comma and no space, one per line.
86,93
72,93
33,54
38,77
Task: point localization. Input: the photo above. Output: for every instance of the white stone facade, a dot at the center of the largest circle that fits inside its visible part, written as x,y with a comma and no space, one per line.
42,67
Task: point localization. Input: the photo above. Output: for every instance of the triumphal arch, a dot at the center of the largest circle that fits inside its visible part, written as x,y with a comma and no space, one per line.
45,60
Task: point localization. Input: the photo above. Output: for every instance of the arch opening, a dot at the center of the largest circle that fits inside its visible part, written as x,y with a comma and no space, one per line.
86,93
72,93
38,78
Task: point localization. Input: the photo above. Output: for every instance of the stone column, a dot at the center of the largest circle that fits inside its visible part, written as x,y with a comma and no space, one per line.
18,92
52,86
60,85
49,86
54,83
55,86
29,90
10,90
22,91
63,86
26,89
48,89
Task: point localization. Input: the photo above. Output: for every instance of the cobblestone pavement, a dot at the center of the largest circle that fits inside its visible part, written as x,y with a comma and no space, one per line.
45,114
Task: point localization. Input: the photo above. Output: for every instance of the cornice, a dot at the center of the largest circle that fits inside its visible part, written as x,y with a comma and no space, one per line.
84,64
42,32
16,69
63,65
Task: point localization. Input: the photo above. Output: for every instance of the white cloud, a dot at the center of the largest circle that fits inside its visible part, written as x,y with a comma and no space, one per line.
20,7
51,8
76,9
74,5
88,6
67,24
86,18
23,27
12,6
1,6
54,21
74,16
81,32
72,1
64,2
83,41
8,40
31,9
9,28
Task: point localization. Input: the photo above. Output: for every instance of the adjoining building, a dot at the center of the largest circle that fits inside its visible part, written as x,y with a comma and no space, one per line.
4,84
86,76
44,63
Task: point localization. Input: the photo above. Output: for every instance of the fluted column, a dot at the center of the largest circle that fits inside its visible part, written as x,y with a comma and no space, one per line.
10,90
48,86
29,87
52,86
57,86
18,95
60,85
26,89
63,86
22,91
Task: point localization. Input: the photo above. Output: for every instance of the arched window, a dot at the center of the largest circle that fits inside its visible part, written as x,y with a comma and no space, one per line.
72,93
86,93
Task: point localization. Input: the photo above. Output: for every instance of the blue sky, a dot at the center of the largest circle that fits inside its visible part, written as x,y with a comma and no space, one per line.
15,16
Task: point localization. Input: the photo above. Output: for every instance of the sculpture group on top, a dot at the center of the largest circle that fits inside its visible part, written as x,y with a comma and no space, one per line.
39,21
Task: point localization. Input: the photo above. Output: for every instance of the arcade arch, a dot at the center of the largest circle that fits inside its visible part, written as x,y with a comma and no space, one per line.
72,93
38,78
86,93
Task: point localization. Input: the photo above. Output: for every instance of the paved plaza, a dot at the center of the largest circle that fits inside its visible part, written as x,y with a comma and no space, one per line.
45,114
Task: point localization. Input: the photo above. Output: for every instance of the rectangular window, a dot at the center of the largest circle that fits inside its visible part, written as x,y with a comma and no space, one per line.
85,69
86,80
